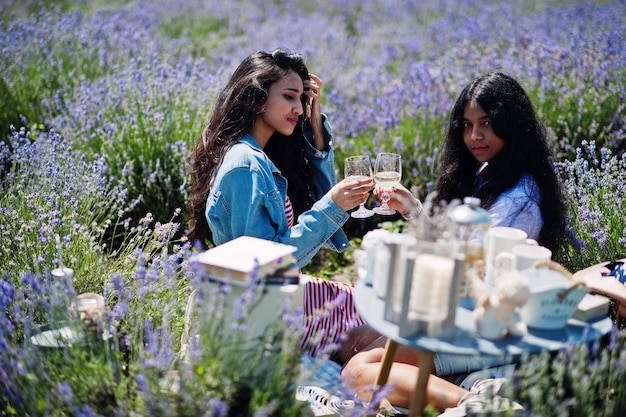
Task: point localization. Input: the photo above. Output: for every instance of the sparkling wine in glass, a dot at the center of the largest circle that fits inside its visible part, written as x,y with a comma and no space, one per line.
387,173
359,168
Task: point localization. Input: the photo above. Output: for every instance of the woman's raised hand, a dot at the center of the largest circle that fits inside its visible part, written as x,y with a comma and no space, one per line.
313,90
350,193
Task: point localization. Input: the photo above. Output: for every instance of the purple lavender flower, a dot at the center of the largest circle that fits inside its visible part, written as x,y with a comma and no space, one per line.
85,411
65,393
142,383
219,408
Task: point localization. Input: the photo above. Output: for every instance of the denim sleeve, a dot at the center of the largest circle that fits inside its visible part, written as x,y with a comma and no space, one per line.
240,208
322,164
317,227
254,207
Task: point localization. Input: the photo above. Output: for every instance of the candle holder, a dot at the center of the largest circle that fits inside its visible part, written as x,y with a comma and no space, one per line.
432,276
430,291
376,260
398,246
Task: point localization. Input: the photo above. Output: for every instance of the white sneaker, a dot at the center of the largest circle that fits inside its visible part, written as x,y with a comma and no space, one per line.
482,399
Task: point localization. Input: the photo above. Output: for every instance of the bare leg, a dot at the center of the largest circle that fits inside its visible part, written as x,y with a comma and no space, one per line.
361,371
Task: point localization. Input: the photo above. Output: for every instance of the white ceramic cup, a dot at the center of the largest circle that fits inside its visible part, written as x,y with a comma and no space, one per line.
497,240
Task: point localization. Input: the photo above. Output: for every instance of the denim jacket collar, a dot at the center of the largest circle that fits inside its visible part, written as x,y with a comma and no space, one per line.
249,140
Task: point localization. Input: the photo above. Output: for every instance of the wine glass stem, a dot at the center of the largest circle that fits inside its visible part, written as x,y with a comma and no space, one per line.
386,197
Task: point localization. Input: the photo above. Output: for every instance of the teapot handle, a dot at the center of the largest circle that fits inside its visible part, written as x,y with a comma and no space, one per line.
555,266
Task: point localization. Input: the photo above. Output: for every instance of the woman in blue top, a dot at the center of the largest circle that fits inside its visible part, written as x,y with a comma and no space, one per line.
495,149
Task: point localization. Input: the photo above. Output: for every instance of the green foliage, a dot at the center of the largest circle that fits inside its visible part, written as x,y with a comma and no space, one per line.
29,7
574,115
56,65
53,360
332,265
223,345
51,63
595,185
153,151
150,128
55,202
222,365
202,33
418,139
583,380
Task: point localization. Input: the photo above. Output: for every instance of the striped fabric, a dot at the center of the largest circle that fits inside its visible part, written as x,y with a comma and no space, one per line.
329,311
328,308
289,212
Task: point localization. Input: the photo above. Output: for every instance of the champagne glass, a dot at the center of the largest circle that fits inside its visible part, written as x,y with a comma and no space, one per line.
359,168
387,173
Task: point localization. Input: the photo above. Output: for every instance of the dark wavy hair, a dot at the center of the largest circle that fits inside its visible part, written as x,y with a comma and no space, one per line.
234,113
288,153
526,150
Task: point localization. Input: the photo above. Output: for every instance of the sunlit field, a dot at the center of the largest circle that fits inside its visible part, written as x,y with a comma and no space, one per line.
101,102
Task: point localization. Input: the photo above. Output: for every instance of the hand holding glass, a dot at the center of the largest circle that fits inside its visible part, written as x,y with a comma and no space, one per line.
359,168
387,173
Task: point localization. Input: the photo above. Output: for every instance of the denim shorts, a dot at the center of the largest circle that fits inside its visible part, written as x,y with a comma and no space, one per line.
447,364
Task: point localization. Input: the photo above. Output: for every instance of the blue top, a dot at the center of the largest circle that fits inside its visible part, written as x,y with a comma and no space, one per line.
518,207
248,196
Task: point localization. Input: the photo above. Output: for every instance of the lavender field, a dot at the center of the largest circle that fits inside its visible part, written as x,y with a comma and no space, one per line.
101,101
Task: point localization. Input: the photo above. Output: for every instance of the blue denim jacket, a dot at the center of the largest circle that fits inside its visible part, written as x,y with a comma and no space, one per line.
322,163
248,198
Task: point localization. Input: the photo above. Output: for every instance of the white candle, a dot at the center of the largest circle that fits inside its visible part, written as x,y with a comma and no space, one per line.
430,291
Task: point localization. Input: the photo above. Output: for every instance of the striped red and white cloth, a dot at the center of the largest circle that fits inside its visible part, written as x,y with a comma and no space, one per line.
289,213
329,308
329,311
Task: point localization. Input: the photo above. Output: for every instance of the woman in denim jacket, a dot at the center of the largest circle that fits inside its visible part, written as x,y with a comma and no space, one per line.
307,160
240,191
